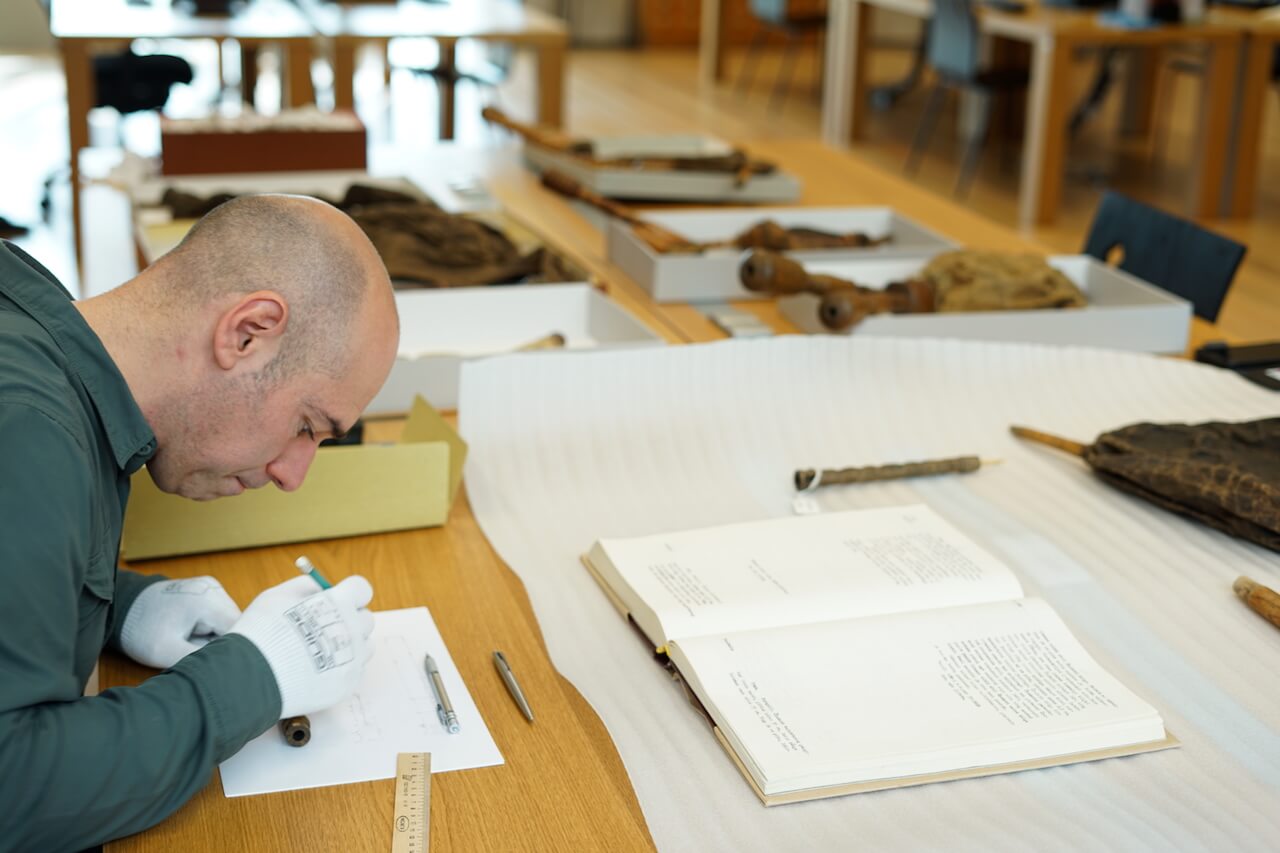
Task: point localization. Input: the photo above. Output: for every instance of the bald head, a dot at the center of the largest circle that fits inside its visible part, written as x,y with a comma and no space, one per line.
268,329
307,251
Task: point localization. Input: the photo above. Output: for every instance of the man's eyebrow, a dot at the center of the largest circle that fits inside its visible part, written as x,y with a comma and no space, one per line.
336,430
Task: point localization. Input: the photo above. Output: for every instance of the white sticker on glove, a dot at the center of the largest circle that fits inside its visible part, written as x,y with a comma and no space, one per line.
326,636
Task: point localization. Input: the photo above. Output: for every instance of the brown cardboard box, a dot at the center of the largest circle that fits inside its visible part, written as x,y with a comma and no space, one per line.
255,144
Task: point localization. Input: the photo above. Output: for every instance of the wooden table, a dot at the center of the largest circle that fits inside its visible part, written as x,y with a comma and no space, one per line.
1053,34
563,786
484,20
85,26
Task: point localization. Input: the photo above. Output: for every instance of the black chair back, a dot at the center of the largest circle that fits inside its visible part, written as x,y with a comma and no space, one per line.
953,39
131,83
1167,251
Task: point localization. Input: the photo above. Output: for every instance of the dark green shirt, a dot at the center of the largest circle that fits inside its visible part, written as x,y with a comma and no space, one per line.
76,770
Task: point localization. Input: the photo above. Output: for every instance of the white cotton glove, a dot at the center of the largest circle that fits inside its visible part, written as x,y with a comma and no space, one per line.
171,619
316,642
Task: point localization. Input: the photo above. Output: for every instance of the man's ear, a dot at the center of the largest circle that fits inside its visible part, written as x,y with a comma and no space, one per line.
248,334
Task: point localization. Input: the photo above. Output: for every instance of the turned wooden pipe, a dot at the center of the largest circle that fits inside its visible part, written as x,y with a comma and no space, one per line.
772,236
763,271
806,477
296,731
546,137
843,307
658,238
1261,599
843,303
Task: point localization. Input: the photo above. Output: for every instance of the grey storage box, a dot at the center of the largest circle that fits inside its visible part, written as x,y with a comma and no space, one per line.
713,275
1124,312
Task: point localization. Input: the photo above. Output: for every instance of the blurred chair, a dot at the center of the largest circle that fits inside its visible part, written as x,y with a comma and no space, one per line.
1093,99
129,83
886,95
953,55
794,21
1167,251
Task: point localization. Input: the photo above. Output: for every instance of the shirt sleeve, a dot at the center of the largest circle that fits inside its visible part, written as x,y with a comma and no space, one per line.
76,771
129,585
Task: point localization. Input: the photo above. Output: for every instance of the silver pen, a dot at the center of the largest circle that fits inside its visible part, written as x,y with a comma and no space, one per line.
513,687
444,708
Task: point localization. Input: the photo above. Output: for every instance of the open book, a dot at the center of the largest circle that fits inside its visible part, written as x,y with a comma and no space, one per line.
855,651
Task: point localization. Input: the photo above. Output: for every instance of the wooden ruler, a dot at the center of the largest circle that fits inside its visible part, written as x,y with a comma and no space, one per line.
411,832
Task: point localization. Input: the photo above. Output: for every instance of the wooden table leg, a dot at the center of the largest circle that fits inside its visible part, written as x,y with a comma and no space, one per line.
344,70
711,42
78,69
1044,149
248,72
448,85
1008,113
551,83
301,91
1251,102
1212,128
844,83
1138,114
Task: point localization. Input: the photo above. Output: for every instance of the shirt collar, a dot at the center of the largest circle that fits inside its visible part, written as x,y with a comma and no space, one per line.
43,298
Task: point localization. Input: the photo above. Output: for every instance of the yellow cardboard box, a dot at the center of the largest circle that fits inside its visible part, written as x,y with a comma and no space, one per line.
349,491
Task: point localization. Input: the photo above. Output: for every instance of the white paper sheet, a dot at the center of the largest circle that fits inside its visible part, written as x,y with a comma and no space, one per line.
393,711
568,450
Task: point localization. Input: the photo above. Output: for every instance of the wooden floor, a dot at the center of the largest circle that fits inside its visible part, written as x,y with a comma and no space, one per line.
621,91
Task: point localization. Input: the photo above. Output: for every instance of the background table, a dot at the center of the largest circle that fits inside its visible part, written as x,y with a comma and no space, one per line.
502,21
1053,34
83,26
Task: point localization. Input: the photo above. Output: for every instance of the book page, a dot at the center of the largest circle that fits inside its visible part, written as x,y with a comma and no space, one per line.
915,693
795,570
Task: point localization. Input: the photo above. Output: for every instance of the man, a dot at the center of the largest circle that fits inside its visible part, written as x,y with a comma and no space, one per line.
220,367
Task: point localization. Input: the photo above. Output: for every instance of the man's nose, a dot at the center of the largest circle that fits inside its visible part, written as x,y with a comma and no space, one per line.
289,469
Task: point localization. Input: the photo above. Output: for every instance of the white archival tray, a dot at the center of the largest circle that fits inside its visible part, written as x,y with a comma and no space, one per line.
713,275
151,221
440,329
1124,312
664,184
